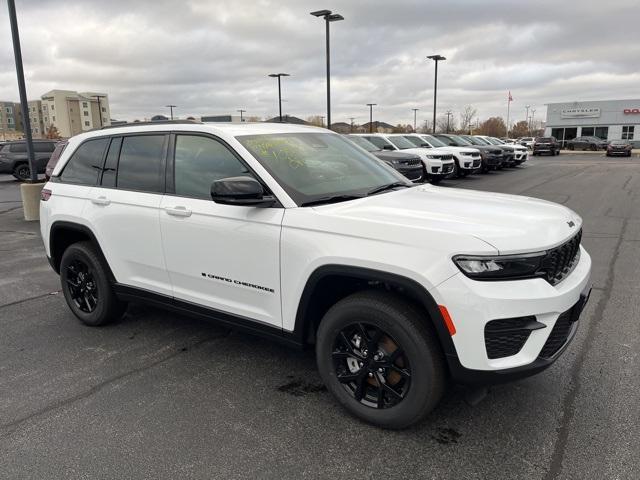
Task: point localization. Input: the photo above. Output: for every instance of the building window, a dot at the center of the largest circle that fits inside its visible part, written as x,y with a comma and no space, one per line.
53,119
588,131
85,113
104,109
84,104
104,120
52,107
86,124
627,132
602,132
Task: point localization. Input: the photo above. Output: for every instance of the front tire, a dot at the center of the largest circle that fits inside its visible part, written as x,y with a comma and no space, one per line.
380,359
86,286
22,172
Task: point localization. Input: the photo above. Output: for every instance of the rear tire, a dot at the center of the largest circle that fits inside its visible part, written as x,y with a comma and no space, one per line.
22,172
378,342
86,286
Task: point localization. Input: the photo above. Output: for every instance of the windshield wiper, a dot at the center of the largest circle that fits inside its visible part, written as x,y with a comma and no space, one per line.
332,199
388,186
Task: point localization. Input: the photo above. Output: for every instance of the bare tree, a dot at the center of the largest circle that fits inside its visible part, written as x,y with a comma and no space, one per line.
466,117
444,124
426,127
493,127
52,133
316,120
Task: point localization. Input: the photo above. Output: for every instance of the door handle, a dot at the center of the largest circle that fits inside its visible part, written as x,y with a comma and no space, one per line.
179,211
101,200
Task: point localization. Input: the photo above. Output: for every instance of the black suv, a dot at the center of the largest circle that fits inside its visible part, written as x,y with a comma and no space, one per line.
408,164
14,159
546,145
587,143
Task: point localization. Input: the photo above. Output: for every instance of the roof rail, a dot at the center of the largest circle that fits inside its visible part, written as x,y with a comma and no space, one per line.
155,122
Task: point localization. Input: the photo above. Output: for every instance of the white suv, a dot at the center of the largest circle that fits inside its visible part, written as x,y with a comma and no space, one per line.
295,233
437,163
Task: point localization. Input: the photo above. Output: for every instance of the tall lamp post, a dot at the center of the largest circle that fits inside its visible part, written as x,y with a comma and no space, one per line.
435,58
351,124
415,117
278,76
448,117
328,18
527,118
371,105
171,107
100,107
22,89
241,112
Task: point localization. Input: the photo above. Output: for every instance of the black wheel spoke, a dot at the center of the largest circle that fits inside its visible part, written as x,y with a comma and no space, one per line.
402,371
380,381
81,286
392,391
361,386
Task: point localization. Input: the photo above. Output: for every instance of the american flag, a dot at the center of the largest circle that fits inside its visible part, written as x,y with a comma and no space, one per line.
510,97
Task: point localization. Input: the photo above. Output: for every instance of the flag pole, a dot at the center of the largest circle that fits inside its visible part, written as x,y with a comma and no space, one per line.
508,111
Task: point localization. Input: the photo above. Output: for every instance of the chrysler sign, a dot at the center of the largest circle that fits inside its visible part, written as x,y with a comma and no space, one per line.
580,112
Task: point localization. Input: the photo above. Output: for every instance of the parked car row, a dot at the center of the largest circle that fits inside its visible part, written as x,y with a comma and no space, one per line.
15,161
440,155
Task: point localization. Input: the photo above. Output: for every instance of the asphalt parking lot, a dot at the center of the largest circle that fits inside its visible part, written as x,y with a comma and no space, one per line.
162,396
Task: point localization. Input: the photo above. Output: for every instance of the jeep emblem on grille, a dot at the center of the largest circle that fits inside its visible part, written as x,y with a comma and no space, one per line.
571,224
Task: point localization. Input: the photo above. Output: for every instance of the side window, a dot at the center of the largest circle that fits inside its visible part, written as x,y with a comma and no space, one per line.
111,163
141,165
85,163
199,161
18,148
378,141
41,147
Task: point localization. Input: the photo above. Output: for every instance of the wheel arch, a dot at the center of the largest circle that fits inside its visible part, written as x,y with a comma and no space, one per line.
62,234
342,280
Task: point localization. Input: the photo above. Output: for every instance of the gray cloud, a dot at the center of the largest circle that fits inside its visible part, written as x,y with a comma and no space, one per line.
214,57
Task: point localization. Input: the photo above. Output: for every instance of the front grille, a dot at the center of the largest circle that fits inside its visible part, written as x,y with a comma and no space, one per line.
559,334
446,157
506,337
435,169
411,163
496,152
559,261
476,163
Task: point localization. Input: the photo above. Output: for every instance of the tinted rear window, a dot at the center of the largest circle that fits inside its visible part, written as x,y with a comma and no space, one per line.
141,165
85,163
18,148
43,147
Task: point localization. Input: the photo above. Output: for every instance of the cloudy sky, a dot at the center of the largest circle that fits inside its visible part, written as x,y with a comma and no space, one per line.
213,57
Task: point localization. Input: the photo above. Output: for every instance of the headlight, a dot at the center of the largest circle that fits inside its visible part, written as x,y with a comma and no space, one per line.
433,157
500,267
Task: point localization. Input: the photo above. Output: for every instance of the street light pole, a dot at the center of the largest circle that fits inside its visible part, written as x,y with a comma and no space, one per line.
371,105
533,115
328,18
448,116
171,107
22,89
527,118
241,112
435,58
415,116
351,124
100,107
278,76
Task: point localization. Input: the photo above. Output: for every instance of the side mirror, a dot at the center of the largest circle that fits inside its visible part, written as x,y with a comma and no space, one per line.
425,145
241,191
388,147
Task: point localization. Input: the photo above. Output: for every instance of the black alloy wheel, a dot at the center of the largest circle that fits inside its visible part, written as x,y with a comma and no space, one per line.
22,172
371,366
83,290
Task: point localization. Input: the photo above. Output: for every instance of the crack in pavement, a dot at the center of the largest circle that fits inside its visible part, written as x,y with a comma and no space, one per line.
24,300
569,401
11,427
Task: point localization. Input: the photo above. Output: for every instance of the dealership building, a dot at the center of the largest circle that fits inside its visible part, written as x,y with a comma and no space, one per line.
607,119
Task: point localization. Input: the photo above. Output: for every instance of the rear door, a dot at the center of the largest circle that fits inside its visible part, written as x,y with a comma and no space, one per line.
223,257
123,210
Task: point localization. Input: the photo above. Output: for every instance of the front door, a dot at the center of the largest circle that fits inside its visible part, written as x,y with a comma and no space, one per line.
224,257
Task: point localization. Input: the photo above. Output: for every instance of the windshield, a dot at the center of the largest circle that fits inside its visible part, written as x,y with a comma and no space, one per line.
460,141
401,142
491,141
619,142
417,141
315,166
364,143
476,141
433,141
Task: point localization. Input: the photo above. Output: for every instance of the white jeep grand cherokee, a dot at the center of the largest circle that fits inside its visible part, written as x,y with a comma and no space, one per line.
294,233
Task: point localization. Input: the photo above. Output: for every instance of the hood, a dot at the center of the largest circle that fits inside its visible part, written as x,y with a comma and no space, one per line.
424,153
510,223
397,155
473,149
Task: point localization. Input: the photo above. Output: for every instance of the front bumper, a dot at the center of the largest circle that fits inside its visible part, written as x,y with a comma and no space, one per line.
521,156
473,304
415,174
468,162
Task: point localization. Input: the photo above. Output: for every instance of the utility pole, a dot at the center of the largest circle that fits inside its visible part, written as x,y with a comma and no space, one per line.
435,58
171,107
448,117
351,125
22,89
415,117
241,112
100,107
528,124
278,76
371,105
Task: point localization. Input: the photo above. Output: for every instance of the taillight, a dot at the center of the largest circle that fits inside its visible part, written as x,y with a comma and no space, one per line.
45,194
